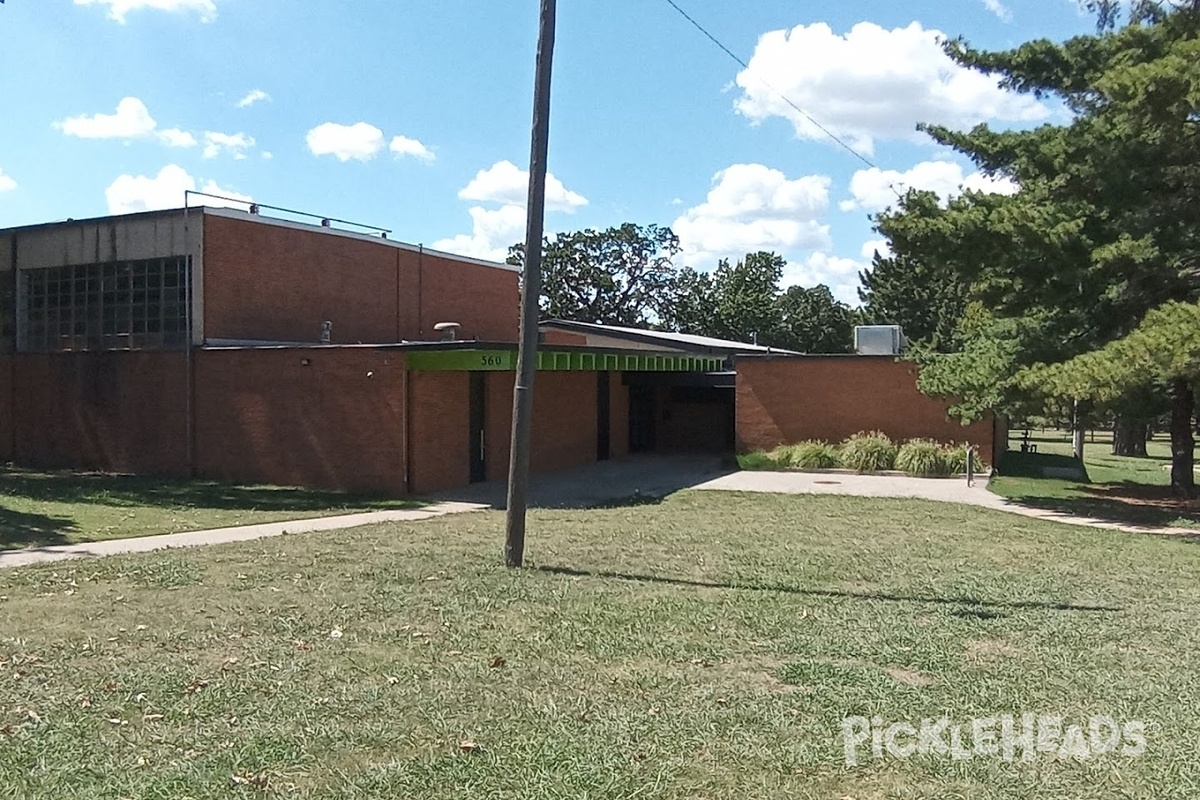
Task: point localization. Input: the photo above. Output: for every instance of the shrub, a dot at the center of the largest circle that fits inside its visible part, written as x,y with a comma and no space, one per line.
924,458
868,452
956,457
813,455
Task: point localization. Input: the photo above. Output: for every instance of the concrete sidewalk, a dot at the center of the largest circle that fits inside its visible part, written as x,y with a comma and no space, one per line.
946,490
144,544
581,487
598,484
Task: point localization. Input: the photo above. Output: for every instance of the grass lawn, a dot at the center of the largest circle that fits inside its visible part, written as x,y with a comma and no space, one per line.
1133,490
48,508
705,647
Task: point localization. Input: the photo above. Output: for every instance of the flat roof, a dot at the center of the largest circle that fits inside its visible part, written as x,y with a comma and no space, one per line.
231,213
663,337
469,355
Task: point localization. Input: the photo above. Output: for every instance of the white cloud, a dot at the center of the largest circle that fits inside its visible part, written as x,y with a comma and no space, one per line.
267,155
252,97
870,84
130,193
492,232
504,182
361,141
118,9
999,9
875,189
173,137
752,207
236,144
132,120
873,246
839,274
7,184
404,146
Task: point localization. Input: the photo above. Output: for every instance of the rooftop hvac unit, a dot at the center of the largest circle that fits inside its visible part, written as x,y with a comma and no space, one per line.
879,340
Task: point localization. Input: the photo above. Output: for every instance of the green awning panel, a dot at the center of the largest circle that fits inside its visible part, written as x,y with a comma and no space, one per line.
470,360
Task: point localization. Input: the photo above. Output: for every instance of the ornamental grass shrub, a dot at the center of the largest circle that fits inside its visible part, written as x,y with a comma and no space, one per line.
868,452
923,458
813,454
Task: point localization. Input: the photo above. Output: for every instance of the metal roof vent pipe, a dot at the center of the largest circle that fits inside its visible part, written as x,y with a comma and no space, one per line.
326,332
448,330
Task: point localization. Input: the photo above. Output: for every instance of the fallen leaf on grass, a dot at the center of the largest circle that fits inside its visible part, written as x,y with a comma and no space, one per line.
468,746
498,662
196,686
252,781
336,633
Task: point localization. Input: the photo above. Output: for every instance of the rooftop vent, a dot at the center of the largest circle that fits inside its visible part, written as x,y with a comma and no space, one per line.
448,330
879,340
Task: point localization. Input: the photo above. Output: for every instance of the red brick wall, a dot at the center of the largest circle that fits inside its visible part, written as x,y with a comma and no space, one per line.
484,300
6,408
439,430
271,282
618,415
784,400
498,419
555,336
263,416
564,420
119,411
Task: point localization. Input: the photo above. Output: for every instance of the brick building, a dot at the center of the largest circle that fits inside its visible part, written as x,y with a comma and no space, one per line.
226,345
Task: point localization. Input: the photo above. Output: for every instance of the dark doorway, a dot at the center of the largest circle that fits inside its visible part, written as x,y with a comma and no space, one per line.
477,416
643,411
603,418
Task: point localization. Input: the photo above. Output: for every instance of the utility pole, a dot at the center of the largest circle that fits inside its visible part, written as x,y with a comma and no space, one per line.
531,288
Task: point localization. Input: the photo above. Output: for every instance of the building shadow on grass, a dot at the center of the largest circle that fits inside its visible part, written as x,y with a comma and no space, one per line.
636,480
106,489
967,607
19,529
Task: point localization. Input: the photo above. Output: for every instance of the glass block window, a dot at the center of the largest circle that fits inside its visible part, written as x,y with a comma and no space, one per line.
113,306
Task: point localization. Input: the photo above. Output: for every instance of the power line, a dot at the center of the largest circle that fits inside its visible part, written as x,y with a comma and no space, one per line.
781,95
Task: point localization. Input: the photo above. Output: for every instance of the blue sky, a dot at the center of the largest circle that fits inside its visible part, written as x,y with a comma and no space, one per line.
415,115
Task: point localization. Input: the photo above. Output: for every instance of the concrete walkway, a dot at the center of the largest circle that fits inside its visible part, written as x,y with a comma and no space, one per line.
597,484
143,544
946,490
582,487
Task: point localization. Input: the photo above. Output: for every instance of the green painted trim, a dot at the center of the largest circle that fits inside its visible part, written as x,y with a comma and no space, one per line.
462,360
471,360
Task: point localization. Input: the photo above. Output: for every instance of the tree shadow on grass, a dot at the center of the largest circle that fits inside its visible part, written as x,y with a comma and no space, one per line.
1128,503
972,607
105,489
19,529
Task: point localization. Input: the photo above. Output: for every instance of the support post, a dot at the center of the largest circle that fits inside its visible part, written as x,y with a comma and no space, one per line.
531,288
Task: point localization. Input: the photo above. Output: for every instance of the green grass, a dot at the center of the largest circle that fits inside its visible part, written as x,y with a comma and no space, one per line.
704,647
47,508
1131,490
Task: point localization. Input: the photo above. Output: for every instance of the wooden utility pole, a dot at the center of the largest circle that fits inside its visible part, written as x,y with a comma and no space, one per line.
531,289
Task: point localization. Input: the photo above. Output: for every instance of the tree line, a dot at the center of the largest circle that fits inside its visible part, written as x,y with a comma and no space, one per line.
1078,293
627,275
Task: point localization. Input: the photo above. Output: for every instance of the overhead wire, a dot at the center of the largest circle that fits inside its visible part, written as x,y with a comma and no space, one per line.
746,66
